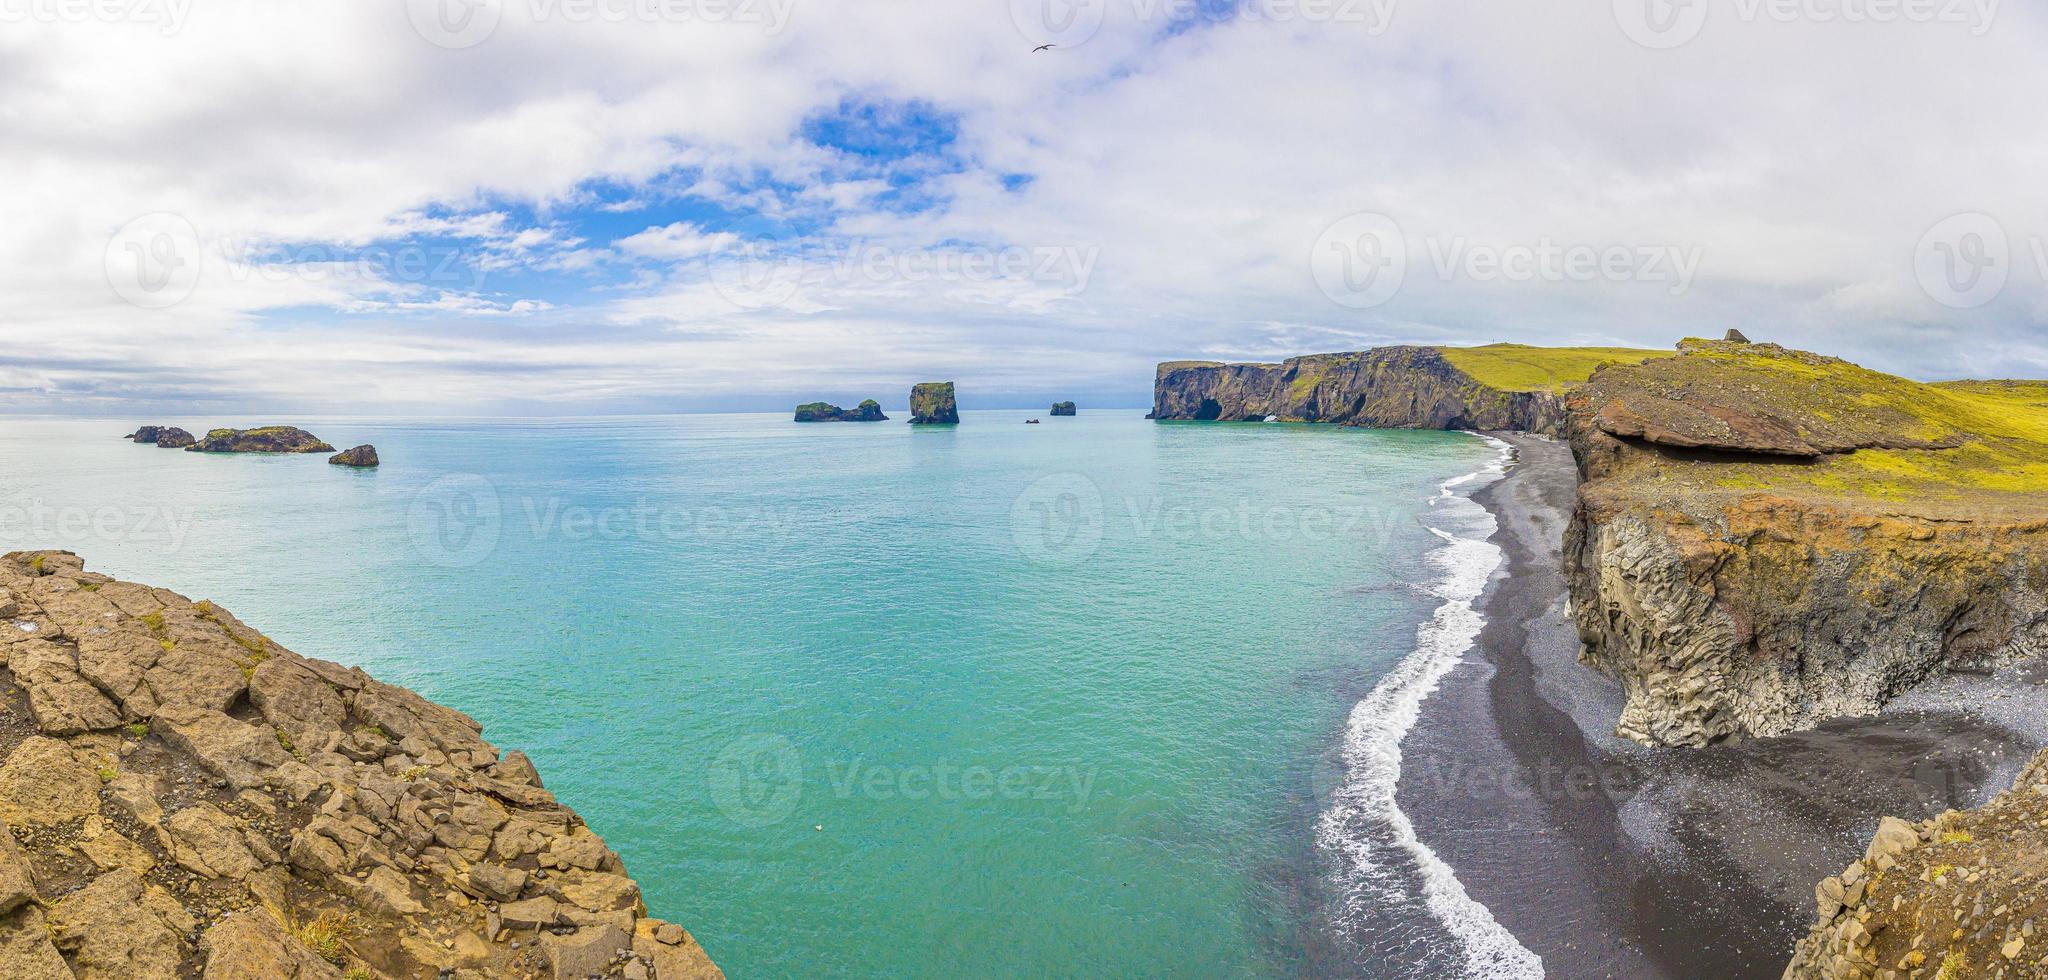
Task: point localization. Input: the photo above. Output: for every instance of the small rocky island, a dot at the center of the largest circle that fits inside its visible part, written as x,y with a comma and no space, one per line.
363,455
1063,408
931,403
867,411
181,797
161,436
266,439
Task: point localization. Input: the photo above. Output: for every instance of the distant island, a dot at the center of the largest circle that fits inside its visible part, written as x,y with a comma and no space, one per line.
1063,408
931,403
867,411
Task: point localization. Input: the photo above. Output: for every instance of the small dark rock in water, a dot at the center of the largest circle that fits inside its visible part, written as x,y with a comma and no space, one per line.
147,433
931,403
1062,408
172,437
1030,421
867,411
268,439
1735,337
363,455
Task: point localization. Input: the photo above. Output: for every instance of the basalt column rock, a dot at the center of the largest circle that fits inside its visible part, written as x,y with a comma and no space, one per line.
931,403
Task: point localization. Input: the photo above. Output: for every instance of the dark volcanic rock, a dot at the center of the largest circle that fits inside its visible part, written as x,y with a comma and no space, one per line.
1735,336
172,437
147,433
867,411
363,455
1387,387
1062,408
931,403
268,439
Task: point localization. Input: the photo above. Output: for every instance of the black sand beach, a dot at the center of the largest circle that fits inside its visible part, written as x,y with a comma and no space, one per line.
1609,859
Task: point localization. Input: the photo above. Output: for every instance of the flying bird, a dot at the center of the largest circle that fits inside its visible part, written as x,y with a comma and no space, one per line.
1042,47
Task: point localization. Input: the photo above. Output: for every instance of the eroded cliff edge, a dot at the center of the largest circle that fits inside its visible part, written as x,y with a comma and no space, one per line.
1387,387
184,797
1767,538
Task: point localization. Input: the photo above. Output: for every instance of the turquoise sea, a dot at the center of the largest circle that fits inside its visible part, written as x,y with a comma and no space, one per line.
851,699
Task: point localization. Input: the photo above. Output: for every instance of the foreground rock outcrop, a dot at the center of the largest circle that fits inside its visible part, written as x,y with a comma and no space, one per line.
1767,538
1504,386
931,403
267,439
1962,895
183,797
868,411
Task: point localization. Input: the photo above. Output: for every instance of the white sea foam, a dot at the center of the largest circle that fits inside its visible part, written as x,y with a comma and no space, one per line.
1363,822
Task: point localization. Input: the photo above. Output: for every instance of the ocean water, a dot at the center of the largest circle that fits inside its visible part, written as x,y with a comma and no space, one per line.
1099,696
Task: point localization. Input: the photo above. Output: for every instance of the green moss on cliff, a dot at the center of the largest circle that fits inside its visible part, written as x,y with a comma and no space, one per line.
1518,367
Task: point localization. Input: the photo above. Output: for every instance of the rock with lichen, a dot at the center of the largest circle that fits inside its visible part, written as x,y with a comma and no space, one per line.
363,455
868,411
264,439
227,808
931,403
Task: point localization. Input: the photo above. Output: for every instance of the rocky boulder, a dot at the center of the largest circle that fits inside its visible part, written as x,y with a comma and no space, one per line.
266,439
1062,408
147,433
931,403
868,411
363,455
223,808
172,437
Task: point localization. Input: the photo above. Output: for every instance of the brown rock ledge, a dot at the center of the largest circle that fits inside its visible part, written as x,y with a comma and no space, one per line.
183,797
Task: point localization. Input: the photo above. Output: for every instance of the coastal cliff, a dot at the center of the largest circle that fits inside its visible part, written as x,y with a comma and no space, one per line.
1767,538
183,797
1502,386
1957,896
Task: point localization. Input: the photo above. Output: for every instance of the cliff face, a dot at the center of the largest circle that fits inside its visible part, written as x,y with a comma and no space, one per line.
182,797
1766,539
1956,896
1388,387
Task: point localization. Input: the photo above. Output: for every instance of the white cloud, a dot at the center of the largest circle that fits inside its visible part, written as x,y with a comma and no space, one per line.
1802,160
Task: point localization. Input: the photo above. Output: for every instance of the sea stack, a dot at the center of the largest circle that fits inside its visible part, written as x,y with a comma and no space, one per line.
147,433
931,403
172,437
267,439
1062,408
868,411
363,455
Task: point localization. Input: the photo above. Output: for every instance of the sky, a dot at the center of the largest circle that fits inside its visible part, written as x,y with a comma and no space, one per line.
576,207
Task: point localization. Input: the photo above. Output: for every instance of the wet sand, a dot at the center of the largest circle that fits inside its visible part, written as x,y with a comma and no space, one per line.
1609,859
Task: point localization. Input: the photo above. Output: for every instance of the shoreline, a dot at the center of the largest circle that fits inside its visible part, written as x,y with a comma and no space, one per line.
1610,859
